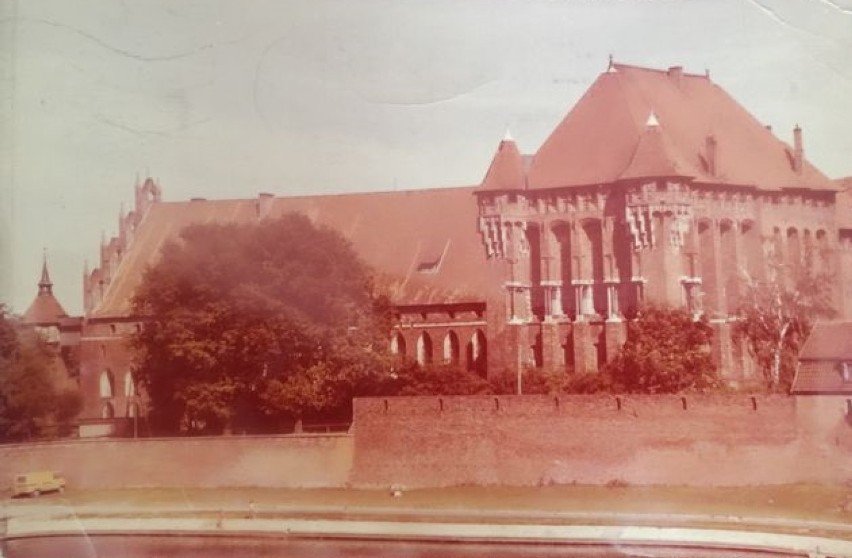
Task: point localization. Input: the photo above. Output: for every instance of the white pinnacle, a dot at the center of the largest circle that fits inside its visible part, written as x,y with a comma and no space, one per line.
652,120
508,136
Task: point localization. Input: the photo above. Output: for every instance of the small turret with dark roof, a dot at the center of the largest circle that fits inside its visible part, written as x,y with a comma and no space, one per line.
45,309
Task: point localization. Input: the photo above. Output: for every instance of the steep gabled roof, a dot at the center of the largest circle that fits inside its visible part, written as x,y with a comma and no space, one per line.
596,142
423,244
45,309
507,169
656,156
828,341
820,360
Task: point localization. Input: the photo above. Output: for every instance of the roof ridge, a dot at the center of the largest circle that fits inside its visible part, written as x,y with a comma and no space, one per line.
323,195
665,71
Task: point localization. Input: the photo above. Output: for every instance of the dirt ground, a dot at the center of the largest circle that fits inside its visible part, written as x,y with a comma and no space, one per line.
798,502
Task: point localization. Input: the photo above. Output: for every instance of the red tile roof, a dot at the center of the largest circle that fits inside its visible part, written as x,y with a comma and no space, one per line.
655,156
598,140
821,359
45,309
507,169
820,377
828,341
424,244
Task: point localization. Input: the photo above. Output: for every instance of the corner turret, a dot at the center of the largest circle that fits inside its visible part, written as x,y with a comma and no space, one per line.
507,170
45,309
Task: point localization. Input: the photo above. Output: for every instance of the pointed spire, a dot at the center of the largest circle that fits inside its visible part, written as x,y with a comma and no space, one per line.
652,120
508,135
45,285
44,309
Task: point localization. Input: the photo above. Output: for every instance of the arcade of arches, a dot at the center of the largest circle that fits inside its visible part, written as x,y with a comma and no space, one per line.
448,349
577,262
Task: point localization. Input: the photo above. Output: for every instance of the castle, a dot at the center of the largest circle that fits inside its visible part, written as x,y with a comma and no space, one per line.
657,186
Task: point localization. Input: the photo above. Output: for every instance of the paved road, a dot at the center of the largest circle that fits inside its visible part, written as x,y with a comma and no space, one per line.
240,547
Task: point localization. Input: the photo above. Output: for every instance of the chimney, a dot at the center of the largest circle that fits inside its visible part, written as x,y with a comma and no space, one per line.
710,153
264,204
675,73
798,150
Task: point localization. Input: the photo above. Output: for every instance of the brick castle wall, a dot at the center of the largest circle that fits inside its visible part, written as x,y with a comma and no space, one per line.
483,440
300,461
715,440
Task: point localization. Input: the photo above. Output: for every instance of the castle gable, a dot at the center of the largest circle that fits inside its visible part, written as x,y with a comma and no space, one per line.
596,141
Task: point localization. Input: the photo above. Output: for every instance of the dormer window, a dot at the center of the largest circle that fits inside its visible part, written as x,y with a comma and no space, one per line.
430,257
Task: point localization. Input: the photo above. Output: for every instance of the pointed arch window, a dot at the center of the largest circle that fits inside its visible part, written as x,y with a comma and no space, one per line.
129,385
451,348
106,384
424,349
397,345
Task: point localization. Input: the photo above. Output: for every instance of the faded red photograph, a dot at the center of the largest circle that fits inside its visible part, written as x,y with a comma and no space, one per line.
442,279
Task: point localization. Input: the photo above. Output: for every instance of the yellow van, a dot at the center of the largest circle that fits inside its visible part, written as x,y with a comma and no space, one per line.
33,484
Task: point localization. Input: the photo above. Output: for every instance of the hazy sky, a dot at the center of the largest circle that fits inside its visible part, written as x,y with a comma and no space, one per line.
225,99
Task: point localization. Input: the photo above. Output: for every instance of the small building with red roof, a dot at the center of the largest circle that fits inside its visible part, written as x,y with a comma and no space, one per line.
823,382
825,361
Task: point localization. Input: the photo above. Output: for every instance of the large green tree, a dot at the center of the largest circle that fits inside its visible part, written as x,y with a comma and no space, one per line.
667,351
776,315
246,324
36,401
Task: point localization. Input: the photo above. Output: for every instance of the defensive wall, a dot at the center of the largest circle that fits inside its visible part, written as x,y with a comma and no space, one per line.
701,440
305,460
695,440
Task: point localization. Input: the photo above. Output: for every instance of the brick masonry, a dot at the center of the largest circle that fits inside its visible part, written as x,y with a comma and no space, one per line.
715,440
299,461
698,440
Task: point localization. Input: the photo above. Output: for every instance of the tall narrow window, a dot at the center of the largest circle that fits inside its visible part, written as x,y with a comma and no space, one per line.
129,385
107,384
451,348
477,353
424,349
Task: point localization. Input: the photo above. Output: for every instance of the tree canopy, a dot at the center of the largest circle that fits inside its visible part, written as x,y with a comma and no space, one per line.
776,315
246,324
666,351
36,401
